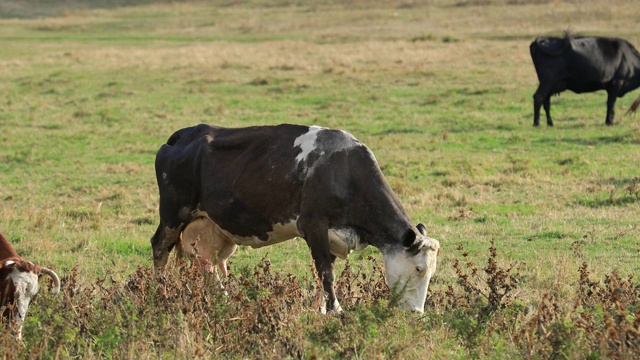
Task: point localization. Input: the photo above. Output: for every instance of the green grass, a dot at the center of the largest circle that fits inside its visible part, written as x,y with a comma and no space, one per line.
441,91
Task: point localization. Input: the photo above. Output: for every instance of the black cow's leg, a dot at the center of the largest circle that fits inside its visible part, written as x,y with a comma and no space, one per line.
611,102
537,102
547,109
162,242
541,97
317,239
156,246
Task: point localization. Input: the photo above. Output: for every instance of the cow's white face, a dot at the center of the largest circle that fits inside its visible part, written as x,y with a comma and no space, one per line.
26,287
410,270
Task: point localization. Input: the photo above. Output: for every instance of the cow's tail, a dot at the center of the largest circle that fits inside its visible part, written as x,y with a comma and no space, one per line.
634,106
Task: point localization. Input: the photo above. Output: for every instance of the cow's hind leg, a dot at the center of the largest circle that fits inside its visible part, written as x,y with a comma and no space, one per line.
537,103
547,109
317,239
611,105
542,97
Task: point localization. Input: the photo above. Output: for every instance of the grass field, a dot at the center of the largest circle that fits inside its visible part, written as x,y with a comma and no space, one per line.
440,90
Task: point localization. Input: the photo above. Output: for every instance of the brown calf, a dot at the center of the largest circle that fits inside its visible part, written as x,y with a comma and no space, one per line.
206,246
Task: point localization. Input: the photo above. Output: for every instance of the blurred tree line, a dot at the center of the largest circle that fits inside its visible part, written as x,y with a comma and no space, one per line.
47,8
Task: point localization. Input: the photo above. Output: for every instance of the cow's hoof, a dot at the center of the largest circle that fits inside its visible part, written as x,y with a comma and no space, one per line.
335,311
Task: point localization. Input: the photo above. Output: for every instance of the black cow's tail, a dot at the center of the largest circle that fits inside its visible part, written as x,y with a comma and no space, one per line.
634,107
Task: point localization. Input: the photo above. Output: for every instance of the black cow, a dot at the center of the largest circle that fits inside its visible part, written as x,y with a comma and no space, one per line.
266,184
584,64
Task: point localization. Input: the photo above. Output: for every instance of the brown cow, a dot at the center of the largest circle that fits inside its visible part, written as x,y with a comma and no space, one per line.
19,284
206,245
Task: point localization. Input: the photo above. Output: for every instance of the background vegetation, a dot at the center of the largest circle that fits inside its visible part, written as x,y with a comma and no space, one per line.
538,226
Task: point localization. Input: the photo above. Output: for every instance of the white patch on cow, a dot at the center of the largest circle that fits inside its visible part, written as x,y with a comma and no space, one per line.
411,274
280,232
209,138
343,241
332,141
306,142
27,287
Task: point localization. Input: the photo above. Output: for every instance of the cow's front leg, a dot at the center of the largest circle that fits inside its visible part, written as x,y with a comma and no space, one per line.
318,241
329,302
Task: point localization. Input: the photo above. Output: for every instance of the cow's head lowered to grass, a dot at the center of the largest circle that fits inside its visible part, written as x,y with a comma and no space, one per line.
410,268
18,285
262,185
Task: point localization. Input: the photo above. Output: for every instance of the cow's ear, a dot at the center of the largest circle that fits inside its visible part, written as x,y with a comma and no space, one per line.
422,229
8,264
408,238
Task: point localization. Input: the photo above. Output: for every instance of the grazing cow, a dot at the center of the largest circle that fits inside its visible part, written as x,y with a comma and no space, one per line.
584,64
263,185
206,245
19,284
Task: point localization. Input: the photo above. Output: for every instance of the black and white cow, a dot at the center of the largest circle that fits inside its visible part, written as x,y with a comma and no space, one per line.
266,184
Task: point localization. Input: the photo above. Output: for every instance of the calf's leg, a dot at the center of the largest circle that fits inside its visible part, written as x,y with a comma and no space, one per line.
207,246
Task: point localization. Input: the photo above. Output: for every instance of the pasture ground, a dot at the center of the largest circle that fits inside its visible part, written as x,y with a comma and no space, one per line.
440,90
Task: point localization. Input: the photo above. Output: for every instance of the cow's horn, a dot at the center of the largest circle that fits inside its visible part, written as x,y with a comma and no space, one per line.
54,277
634,107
